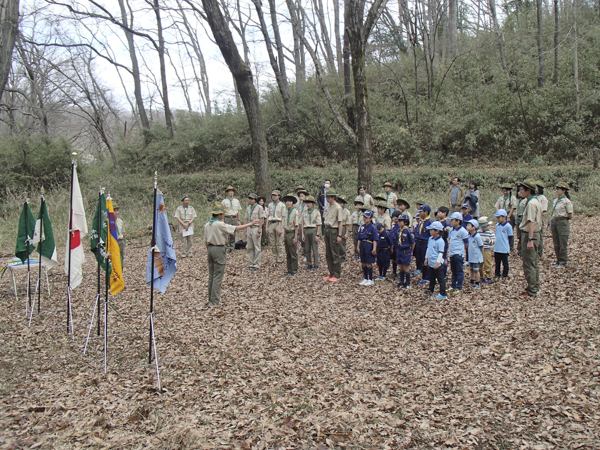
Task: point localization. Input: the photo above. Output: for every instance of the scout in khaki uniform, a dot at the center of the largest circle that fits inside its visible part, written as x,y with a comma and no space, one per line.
233,214
298,190
357,221
215,236
562,212
530,226
301,195
290,229
366,198
519,213
403,206
253,234
276,212
347,221
544,202
334,227
120,231
379,198
264,235
508,202
310,225
382,216
185,215
456,193
390,197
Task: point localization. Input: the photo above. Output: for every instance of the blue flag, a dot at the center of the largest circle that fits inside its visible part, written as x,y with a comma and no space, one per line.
165,261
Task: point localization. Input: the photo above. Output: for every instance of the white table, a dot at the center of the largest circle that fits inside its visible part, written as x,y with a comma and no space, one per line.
23,266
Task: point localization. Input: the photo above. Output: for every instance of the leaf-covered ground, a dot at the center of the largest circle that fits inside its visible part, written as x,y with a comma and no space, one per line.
301,363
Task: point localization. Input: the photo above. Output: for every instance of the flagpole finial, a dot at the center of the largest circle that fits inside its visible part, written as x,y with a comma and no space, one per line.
155,175
42,191
74,155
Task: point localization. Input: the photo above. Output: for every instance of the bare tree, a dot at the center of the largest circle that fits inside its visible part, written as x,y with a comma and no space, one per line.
540,43
9,22
555,74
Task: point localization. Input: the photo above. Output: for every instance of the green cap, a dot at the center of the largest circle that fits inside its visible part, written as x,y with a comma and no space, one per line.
252,195
380,196
331,193
218,208
529,183
299,188
184,197
230,188
290,197
562,185
387,183
540,184
115,206
419,202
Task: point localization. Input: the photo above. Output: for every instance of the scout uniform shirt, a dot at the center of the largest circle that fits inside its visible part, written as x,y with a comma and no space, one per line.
333,215
310,219
506,203
215,231
405,239
291,219
390,199
357,218
532,213
120,228
185,214
562,207
234,206
276,211
421,232
544,202
385,220
254,212
347,217
367,200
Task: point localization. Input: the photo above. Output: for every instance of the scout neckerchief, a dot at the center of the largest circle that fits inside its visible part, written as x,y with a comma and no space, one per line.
401,233
184,212
290,211
231,202
358,216
275,207
531,197
310,211
252,210
213,220
505,199
423,223
556,204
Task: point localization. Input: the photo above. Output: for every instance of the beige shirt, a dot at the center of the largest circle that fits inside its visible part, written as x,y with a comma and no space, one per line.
367,200
121,228
385,220
291,219
333,215
520,207
562,207
214,233
276,211
234,206
254,212
506,203
391,201
544,202
347,217
532,213
310,219
300,206
185,214
357,218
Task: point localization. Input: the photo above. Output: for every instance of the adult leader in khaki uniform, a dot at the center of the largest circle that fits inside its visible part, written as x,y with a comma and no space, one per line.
530,226
185,215
310,222
253,234
215,236
334,226
276,212
390,197
562,212
290,229
233,215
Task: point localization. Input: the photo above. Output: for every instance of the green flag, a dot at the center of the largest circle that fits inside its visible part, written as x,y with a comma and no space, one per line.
98,238
44,238
25,235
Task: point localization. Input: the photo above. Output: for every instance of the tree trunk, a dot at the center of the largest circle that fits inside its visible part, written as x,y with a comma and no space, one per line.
498,34
244,81
452,28
163,69
555,74
9,26
336,29
576,60
540,43
298,46
318,4
348,101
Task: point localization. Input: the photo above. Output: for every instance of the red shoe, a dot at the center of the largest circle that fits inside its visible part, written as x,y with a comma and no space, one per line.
333,279
326,278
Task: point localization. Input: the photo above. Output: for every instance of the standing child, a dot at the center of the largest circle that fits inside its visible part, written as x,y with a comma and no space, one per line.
185,215
489,238
508,202
384,245
434,259
382,217
310,224
405,247
466,214
544,202
403,206
522,202
390,197
441,214
290,227
473,199
264,235
379,199
347,220
275,226
394,234
475,252
458,243
422,236
301,195
253,233
504,242
368,238
357,221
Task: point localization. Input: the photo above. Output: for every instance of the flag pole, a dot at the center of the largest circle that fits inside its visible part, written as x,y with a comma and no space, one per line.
26,207
152,340
40,281
99,228
106,283
69,323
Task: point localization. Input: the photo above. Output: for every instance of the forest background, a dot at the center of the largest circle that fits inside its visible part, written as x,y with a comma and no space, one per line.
411,92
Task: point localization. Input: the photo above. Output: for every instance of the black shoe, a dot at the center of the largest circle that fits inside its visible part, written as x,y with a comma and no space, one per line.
292,274
287,274
315,268
309,267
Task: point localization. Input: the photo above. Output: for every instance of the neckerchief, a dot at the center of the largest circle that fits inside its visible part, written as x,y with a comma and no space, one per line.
423,223
275,207
290,211
213,220
505,199
556,204
310,211
252,210
531,197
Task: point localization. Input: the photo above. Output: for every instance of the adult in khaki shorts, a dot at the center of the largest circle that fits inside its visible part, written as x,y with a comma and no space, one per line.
334,226
232,216
562,213
185,215
254,233
215,236
276,212
530,226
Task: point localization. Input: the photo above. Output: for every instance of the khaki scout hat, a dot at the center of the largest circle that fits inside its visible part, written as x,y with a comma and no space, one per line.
540,184
300,188
506,186
252,195
381,204
302,191
218,208
341,198
230,188
290,197
276,192
380,196
358,200
115,206
331,193
365,208
401,200
310,199
529,183
387,183
419,202
484,221
562,185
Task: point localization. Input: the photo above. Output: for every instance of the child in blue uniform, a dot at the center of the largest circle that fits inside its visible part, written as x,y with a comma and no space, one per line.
405,244
475,252
422,238
368,237
393,234
384,247
504,242
458,242
434,259
467,217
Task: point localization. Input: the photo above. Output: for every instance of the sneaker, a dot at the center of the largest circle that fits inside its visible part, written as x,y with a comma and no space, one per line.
476,286
417,272
293,274
315,268
326,278
466,264
423,282
441,297
559,266
309,267
450,290
497,277
369,283
287,274
380,278
304,258
356,257
406,287
363,282
333,279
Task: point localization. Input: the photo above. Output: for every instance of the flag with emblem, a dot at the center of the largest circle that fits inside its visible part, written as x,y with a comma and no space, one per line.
24,246
99,232
117,284
43,237
165,261
77,231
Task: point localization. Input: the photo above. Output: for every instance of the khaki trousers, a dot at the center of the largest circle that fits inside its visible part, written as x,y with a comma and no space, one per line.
217,258
186,245
253,248
276,241
311,247
291,251
355,229
485,270
231,237
264,236
561,229
343,252
541,246
332,252
531,268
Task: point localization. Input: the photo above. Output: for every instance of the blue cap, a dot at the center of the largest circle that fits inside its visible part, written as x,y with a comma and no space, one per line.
501,212
457,216
417,215
437,225
368,213
425,208
379,226
465,205
474,223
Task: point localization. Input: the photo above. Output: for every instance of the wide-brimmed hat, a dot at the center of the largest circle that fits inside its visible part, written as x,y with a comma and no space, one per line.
474,223
366,208
359,200
276,192
456,216
219,208
484,221
425,207
562,185
529,183
381,204
419,202
401,200
310,199
290,197
387,183
501,212
299,188
302,191
540,184
230,188
184,197
506,186
115,206
380,196
252,195
437,225
341,198
331,193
